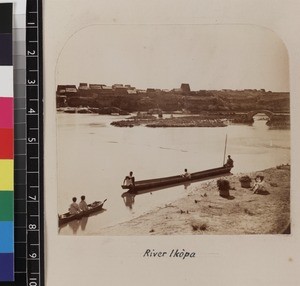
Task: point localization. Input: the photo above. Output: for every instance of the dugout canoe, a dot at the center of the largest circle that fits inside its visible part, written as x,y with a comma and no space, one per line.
173,180
93,208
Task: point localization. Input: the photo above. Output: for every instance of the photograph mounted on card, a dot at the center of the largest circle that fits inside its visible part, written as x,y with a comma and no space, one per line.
173,130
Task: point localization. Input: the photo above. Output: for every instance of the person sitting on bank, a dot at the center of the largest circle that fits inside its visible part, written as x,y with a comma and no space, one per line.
129,181
83,205
258,185
186,174
74,208
229,162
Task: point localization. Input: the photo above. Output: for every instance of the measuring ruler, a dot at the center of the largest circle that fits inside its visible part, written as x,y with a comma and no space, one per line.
28,174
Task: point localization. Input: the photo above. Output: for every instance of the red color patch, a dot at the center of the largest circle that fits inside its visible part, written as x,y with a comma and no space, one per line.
6,143
6,112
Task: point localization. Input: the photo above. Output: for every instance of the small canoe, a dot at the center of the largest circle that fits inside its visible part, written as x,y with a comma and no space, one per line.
67,217
173,180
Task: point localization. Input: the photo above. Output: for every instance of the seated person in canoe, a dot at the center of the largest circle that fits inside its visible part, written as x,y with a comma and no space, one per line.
83,205
186,174
74,207
129,181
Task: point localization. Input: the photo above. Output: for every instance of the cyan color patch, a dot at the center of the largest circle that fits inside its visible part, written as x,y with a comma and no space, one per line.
6,238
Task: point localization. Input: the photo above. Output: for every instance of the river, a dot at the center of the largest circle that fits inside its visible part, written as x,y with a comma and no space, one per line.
94,157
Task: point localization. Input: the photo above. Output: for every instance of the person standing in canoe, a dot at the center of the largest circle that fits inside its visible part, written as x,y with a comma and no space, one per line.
83,205
74,208
129,181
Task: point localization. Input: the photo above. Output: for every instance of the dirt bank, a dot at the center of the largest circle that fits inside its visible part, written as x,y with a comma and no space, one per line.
203,211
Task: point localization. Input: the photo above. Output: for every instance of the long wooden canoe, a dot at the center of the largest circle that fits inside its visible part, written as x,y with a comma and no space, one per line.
67,217
173,180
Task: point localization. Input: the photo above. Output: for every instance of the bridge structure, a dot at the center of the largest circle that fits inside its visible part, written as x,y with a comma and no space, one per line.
269,113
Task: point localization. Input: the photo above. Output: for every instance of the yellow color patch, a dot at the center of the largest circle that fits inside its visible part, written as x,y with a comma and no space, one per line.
6,175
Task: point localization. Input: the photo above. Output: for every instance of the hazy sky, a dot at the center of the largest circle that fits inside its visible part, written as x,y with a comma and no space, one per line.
164,56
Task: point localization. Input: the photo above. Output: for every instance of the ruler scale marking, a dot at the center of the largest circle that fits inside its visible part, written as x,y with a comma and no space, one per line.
34,140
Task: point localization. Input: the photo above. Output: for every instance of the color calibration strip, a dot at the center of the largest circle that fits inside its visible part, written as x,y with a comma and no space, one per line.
6,145
21,144
19,62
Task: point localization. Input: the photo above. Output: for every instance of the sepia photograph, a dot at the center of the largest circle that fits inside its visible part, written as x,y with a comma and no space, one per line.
171,142
173,130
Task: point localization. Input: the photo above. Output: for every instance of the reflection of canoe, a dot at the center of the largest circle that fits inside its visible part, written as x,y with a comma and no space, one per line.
168,181
67,217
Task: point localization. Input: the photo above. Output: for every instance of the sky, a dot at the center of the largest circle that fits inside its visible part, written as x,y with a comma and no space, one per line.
164,56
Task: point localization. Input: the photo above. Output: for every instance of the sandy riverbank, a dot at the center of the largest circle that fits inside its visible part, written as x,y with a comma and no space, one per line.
203,211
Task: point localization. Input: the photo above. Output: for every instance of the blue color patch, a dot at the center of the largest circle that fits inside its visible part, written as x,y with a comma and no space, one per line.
6,267
6,237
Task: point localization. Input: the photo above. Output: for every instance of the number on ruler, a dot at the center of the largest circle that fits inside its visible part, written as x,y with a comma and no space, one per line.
32,198
31,53
33,283
31,111
33,255
32,226
31,81
31,139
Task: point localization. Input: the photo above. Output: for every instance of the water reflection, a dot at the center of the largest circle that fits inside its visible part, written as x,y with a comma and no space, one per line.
186,185
83,222
74,225
79,224
128,199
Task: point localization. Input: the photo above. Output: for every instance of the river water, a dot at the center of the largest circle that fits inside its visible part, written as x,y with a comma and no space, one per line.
94,157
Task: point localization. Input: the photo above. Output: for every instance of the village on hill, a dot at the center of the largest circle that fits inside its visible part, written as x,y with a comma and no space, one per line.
239,106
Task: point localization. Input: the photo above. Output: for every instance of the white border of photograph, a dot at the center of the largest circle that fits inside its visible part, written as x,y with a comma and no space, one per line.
220,260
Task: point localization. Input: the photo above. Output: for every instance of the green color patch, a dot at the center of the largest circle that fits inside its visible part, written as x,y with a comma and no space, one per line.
6,206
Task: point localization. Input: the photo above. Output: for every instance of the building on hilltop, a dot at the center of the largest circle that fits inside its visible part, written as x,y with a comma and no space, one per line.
141,91
71,91
131,91
96,86
61,89
83,86
63,92
185,87
121,90
116,85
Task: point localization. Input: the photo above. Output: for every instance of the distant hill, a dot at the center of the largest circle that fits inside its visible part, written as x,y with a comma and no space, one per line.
191,101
